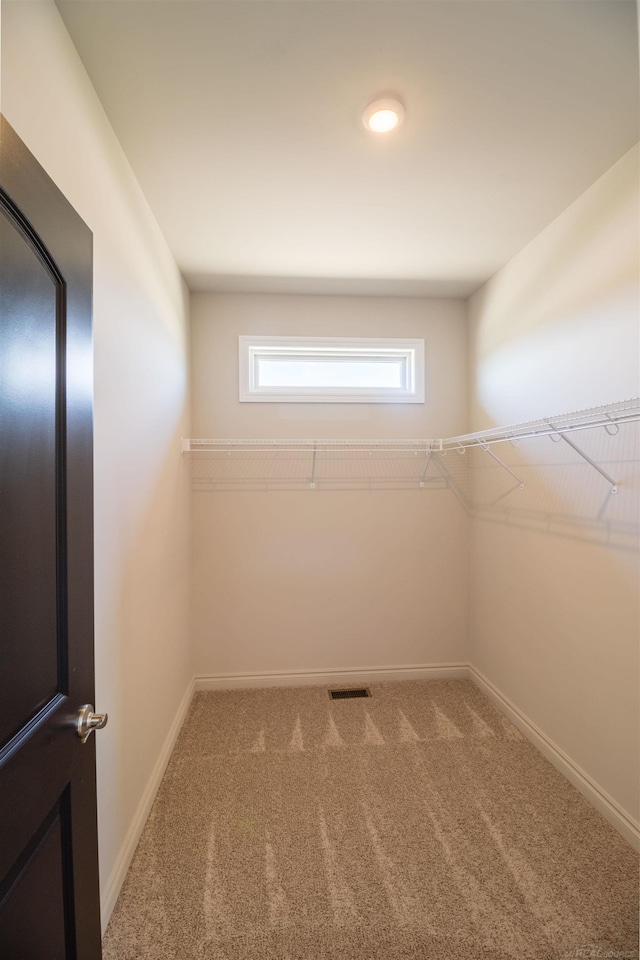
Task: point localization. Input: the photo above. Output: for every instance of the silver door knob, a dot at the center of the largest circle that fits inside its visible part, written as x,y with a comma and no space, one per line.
88,721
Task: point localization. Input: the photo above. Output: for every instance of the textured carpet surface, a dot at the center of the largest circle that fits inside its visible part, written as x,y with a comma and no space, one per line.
415,823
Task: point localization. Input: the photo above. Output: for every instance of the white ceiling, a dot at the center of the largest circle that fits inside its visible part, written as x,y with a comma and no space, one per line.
242,122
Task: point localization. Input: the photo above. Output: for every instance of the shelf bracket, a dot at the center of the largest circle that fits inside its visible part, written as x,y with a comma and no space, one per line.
426,467
574,446
485,447
505,494
312,482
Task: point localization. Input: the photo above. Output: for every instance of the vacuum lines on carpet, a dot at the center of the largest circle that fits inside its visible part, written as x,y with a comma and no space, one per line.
415,823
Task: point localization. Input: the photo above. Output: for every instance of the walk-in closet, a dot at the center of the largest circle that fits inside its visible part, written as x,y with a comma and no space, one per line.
365,376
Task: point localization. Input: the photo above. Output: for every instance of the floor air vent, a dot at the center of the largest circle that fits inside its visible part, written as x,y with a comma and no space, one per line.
349,694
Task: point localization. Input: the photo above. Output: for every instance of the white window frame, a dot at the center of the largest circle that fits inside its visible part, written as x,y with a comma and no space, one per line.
254,349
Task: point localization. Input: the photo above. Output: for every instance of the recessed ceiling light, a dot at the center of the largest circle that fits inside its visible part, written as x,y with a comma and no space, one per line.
383,116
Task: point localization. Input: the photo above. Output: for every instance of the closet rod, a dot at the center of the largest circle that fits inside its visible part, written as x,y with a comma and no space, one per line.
609,417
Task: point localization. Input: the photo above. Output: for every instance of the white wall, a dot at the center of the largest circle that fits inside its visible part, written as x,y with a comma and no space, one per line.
143,658
327,580
555,612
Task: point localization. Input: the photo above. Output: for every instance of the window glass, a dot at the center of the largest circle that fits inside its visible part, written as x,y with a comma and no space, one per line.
382,374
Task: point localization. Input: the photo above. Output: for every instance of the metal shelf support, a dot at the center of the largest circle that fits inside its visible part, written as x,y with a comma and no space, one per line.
574,446
426,467
485,446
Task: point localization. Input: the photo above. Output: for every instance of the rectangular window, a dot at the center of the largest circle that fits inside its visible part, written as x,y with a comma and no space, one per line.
331,370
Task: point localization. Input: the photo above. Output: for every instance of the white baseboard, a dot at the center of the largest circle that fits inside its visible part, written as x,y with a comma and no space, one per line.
110,893
599,798
425,671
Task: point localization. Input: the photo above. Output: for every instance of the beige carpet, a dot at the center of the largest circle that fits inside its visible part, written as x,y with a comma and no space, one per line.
417,823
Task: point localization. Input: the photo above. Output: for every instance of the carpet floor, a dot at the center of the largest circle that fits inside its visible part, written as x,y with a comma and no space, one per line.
418,823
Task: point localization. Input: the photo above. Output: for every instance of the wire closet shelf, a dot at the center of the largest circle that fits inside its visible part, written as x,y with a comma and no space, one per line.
382,461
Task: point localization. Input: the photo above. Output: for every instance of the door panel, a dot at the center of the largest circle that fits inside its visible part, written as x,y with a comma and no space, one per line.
49,903
28,471
32,922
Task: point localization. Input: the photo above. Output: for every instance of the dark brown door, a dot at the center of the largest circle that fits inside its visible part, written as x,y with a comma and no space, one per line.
49,906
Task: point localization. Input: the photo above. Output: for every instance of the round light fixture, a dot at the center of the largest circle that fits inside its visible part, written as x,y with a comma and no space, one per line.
383,116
